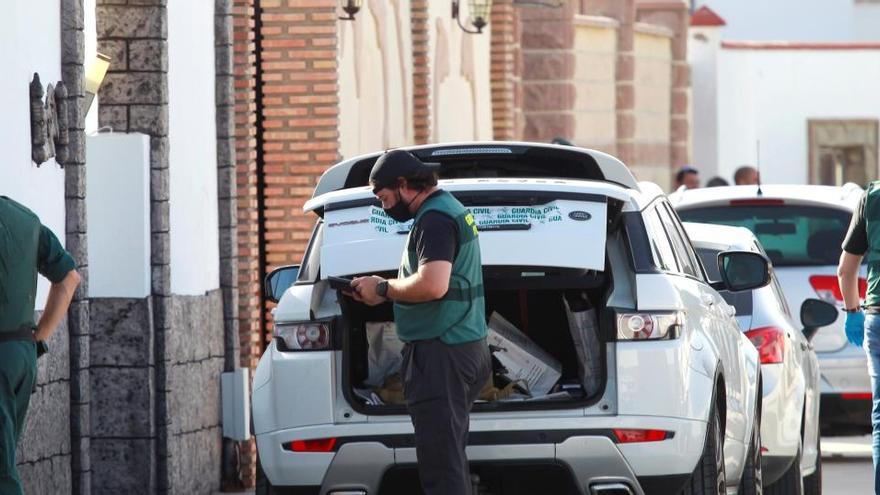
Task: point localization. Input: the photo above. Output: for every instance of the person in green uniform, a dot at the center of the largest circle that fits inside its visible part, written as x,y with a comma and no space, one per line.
26,248
439,312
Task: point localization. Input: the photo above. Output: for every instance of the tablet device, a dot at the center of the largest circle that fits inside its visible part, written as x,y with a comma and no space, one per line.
340,283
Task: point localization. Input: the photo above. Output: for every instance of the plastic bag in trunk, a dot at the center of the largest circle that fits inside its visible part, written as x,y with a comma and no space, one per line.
584,327
384,354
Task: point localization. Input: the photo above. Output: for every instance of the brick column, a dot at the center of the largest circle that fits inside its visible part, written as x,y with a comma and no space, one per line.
421,72
674,15
248,219
548,90
134,98
73,73
300,117
506,72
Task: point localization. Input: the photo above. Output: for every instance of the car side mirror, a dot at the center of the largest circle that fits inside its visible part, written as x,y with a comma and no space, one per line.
816,314
279,280
743,270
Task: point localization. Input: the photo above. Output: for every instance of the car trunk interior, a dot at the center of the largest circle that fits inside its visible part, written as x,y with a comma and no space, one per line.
538,301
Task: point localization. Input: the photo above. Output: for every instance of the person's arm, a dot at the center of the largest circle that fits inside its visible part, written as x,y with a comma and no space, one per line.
60,295
854,247
848,277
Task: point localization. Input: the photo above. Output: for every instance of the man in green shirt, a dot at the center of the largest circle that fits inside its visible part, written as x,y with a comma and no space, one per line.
439,312
26,248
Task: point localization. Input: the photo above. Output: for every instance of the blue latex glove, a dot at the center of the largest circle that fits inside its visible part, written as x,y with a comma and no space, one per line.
855,327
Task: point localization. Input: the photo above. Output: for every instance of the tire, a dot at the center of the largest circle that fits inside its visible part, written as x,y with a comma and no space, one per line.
791,482
262,486
813,482
752,482
709,477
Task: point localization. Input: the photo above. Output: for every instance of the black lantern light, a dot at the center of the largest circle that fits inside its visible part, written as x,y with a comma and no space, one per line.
351,7
479,14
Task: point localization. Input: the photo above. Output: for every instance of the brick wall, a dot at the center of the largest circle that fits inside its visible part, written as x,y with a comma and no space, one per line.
506,72
248,229
548,89
300,103
421,72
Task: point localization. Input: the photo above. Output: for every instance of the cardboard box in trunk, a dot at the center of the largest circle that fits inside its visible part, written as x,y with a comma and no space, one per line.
523,359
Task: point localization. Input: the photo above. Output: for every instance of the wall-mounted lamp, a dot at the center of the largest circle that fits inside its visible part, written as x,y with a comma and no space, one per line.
479,14
351,7
95,73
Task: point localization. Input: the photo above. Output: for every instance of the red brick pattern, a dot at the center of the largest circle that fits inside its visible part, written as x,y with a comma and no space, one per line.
506,72
421,72
249,299
301,116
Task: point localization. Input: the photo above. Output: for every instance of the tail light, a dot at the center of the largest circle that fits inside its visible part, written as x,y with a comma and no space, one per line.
316,445
827,288
636,436
649,326
856,396
309,336
770,342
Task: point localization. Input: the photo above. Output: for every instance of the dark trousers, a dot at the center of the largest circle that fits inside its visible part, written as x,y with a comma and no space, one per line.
18,370
441,383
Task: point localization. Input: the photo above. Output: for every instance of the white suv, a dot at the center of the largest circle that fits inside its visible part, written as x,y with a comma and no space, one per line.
801,228
676,409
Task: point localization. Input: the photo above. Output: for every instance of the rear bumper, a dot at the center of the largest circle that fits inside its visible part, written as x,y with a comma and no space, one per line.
840,411
845,370
590,455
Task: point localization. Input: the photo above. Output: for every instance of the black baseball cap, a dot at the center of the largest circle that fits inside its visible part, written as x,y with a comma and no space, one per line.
398,163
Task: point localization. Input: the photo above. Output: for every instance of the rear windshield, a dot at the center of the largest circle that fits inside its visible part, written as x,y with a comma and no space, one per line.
742,301
791,235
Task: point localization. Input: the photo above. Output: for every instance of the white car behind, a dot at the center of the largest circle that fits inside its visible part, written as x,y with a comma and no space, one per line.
790,369
677,406
801,228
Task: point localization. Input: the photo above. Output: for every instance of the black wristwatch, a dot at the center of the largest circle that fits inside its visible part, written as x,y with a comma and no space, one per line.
382,289
853,310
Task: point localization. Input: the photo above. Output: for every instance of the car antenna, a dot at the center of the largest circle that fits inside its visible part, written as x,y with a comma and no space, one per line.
758,166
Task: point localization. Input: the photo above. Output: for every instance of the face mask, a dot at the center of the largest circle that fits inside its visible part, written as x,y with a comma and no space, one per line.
400,211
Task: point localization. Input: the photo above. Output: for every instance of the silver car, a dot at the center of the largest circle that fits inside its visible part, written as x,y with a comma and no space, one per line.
789,367
801,228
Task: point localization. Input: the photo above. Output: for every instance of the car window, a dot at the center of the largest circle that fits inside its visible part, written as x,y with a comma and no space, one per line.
791,235
664,258
742,301
309,270
687,260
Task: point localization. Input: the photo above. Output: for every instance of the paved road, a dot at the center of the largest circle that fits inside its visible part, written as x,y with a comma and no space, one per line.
847,467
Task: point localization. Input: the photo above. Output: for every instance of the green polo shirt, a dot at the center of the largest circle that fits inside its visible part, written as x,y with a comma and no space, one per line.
26,248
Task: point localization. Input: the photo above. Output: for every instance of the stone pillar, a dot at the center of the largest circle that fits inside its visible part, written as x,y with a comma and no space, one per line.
506,72
548,89
72,68
674,15
250,320
130,418
421,72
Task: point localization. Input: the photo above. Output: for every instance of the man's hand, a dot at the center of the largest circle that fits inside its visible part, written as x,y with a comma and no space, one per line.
855,327
60,295
365,290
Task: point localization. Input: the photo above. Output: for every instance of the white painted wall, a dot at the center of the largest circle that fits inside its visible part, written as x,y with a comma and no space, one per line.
769,95
797,20
193,151
118,192
703,45
30,37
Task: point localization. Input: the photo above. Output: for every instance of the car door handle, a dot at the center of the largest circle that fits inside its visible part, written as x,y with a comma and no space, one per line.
708,300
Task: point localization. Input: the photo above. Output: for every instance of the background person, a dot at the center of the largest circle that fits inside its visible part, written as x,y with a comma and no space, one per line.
863,239
746,175
439,312
688,177
26,247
